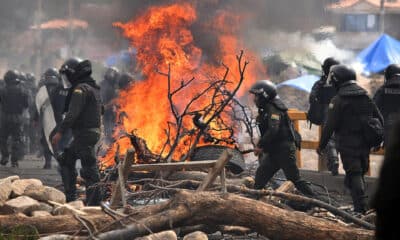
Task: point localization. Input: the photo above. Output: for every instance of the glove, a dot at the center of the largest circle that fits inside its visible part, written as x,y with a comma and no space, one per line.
319,151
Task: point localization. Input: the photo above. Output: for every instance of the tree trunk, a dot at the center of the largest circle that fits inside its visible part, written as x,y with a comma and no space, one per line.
190,208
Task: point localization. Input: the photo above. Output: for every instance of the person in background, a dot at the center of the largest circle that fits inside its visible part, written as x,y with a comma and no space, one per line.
320,97
109,87
346,111
387,98
14,101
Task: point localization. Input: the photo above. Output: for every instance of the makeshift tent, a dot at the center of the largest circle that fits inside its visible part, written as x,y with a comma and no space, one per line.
377,56
303,83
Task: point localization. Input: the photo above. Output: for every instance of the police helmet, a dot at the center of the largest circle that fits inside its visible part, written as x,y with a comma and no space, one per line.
124,80
75,68
264,90
12,77
111,74
30,77
51,77
328,63
340,74
391,72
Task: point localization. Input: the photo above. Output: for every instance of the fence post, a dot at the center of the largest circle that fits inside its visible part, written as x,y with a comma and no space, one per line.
299,162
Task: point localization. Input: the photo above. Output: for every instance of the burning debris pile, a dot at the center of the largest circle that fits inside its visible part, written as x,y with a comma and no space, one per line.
186,94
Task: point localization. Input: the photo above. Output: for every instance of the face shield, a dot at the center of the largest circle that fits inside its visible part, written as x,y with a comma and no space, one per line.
64,80
329,79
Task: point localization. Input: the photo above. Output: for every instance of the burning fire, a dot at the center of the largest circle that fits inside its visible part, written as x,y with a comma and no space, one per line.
164,36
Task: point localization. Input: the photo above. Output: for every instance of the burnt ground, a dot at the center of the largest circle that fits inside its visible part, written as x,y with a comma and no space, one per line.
31,167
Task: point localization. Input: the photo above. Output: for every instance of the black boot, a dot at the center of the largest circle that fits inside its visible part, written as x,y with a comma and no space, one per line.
4,160
304,187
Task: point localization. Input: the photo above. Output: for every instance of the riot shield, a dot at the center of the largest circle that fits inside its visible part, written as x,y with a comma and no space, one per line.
46,114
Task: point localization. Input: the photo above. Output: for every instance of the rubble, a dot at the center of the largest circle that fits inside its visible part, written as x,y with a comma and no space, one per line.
20,185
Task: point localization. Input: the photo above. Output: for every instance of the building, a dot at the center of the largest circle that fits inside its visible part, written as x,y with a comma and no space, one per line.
362,21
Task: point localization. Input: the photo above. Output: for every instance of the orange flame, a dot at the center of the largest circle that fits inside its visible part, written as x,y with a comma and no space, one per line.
163,37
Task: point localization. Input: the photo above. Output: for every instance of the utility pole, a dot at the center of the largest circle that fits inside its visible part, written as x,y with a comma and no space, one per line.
71,28
39,43
382,17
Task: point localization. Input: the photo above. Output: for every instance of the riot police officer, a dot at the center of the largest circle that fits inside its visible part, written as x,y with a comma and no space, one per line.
320,96
28,82
345,114
83,116
276,148
14,101
387,98
108,94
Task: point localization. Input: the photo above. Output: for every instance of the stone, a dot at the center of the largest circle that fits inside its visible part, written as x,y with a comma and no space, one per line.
45,207
19,186
5,190
40,214
44,193
198,235
165,235
10,178
248,182
57,237
22,204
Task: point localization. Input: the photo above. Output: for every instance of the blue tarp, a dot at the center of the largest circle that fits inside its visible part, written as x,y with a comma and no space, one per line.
303,83
124,56
381,53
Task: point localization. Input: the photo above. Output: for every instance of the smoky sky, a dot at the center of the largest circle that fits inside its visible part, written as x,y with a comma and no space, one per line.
17,16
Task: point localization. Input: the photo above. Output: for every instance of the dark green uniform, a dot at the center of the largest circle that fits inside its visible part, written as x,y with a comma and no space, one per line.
346,110
14,100
278,144
83,117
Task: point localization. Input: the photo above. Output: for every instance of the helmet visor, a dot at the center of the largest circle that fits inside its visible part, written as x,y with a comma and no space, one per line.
330,79
65,82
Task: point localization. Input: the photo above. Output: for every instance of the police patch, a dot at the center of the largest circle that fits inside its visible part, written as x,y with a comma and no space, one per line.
275,117
331,105
78,91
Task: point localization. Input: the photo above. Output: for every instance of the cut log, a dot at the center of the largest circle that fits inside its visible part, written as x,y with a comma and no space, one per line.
192,208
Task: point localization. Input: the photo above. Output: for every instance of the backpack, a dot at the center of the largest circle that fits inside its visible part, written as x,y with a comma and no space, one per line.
296,136
373,130
315,113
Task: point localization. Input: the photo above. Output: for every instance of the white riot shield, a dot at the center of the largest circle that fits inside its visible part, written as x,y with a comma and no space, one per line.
46,114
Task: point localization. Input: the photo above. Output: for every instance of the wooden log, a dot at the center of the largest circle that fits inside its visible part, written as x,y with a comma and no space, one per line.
216,170
176,166
53,224
123,172
287,196
193,208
